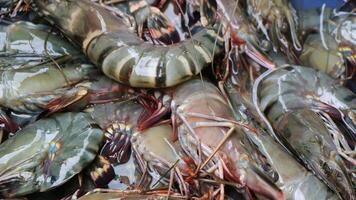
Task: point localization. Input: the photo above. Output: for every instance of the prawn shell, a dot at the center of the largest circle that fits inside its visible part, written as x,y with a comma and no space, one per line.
152,147
291,98
47,153
328,60
236,153
25,44
26,37
122,55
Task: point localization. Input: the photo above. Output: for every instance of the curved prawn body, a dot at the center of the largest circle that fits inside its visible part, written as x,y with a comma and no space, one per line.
122,55
206,118
24,43
300,104
119,120
47,153
279,16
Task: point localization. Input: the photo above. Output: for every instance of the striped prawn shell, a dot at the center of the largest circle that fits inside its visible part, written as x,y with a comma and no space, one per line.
121,54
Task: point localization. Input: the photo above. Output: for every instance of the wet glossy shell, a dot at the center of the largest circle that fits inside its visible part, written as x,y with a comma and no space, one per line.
31,89
296,87
23,41
325,60
295,180
122,55
290,97
47,153
152,147
26,37
236,152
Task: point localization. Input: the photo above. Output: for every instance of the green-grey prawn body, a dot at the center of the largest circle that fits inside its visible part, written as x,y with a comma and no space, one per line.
23,43
121,54
293,99
304,87
295,180
47,153
32,89
154,149
329,60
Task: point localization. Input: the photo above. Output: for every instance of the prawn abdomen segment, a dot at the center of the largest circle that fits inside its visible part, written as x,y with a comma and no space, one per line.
140,64
121,54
